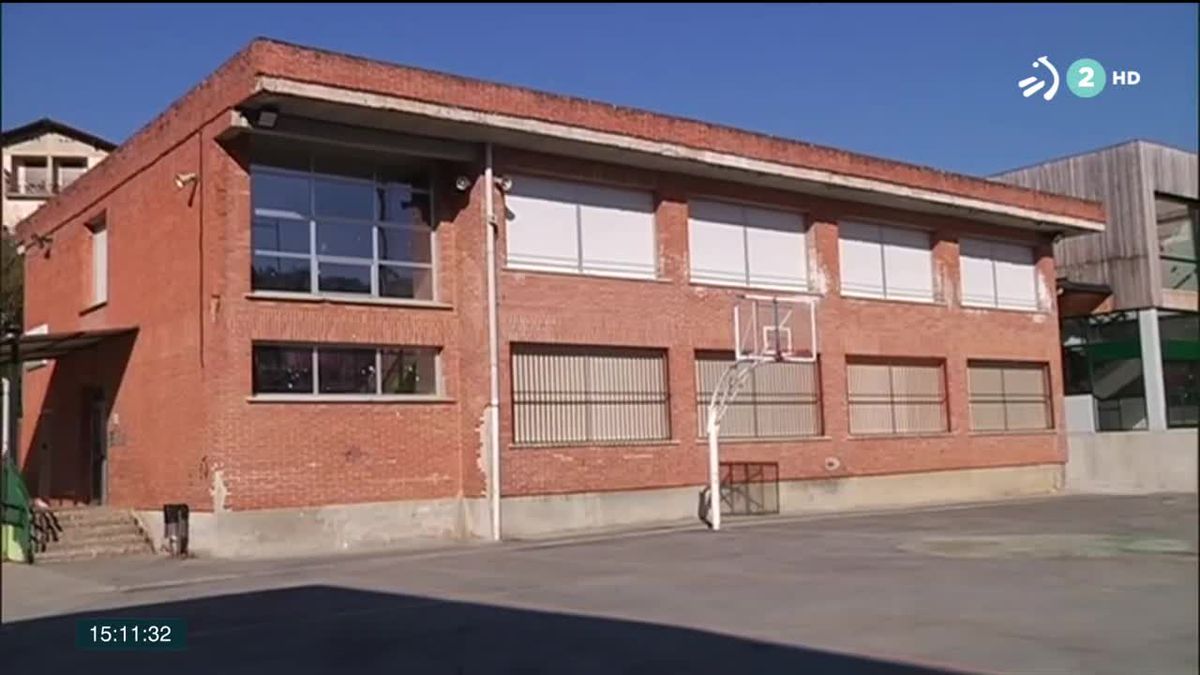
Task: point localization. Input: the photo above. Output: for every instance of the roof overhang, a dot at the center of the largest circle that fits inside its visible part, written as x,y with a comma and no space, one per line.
34,347
433,120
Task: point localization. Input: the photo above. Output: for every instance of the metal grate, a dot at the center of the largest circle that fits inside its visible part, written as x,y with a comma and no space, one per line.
749,488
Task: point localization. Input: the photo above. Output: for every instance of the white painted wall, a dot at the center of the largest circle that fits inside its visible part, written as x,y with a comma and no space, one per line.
17,208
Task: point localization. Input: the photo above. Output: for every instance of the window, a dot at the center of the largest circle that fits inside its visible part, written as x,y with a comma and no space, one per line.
779,400
329,370
577,395
67,170
1177,237
1009,396
747,246
1102,356
1179,335
99,279
30,176
343,227
899,397
885,262
997,274
558,226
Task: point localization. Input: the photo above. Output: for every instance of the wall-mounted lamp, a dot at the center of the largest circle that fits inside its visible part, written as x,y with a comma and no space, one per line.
265,118
41,241
504,183
184,179
462,183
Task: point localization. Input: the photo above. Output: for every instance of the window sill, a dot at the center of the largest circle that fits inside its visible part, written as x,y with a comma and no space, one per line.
776,439
899,437
346,398
93,307
345,300
1015,432
595,444
744,287
932,302
582,275
994,308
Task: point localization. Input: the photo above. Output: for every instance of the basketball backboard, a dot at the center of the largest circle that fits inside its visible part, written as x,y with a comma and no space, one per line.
778,328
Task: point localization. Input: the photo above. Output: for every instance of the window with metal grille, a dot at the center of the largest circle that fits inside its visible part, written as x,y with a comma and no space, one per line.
1009,396
779,400
565,395
896,397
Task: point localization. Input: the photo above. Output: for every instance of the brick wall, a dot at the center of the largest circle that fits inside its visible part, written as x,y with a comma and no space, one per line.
682,317
183,428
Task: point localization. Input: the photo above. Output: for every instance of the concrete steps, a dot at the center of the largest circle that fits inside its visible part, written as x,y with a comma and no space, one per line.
92,532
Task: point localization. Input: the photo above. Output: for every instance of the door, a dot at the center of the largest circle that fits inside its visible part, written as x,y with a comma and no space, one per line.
97,414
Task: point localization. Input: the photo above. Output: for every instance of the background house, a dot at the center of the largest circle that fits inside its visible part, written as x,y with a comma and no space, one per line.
1128,301
40,159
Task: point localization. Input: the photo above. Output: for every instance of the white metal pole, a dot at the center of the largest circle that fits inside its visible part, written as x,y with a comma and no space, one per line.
489,180
5,413
714,478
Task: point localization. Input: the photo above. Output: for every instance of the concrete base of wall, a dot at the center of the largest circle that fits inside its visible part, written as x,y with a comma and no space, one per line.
1132,462
331,529
327,529
557,514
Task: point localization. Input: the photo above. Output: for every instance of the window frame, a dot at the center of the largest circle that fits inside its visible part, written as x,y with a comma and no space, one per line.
1047,399
313,220
703,396
891,363
100,275
805,230
316,395
1038,305
580,267
591,438
935,295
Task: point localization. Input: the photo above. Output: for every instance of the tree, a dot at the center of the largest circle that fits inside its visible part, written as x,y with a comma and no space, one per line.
12,282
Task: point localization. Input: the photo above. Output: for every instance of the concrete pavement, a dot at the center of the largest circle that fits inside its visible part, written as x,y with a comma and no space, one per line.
1078,584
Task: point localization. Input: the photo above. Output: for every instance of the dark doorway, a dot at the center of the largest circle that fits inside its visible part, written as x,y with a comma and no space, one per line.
96,438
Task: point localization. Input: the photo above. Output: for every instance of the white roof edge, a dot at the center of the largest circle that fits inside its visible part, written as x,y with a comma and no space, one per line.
289,87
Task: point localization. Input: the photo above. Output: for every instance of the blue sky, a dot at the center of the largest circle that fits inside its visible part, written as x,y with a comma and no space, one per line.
929,84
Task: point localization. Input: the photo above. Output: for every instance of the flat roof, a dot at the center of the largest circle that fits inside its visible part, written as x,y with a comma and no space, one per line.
267,68
54,345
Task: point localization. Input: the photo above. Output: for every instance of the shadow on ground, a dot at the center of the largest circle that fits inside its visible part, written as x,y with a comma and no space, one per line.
317,629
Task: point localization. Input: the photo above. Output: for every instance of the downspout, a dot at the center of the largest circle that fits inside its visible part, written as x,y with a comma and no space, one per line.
493,412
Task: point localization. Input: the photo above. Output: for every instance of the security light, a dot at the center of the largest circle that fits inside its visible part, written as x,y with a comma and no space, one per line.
504,183
462,183
266,118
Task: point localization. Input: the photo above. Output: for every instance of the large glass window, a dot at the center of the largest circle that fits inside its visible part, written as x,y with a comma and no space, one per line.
1102,356
334,225
998,274
778,400
576,228
740,245
1179,334
329,370
896,397
565,395
885,262
1009,396
1176,220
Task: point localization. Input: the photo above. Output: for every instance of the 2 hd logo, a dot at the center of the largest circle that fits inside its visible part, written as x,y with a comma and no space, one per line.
1086,78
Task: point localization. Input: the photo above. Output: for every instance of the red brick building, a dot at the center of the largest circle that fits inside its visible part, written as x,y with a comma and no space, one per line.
298,250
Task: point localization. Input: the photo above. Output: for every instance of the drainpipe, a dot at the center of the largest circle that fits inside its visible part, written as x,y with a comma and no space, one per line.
493,412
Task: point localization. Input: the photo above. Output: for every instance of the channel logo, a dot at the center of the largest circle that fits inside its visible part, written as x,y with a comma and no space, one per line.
1086,78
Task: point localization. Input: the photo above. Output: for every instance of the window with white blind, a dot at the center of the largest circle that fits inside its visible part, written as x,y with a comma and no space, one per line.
998,274
566,395
560,226
779,400
748,246
99,278
885,262
1009,396
901,397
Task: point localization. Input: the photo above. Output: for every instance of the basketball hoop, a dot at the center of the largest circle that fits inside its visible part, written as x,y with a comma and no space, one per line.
766,329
